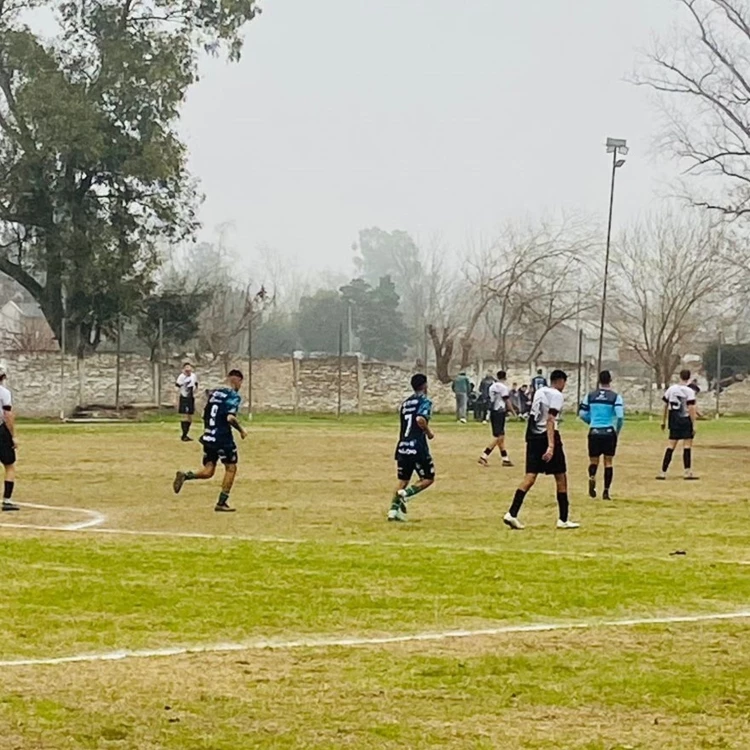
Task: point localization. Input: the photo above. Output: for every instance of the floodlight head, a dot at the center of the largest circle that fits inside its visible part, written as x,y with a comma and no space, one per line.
619,163
617,146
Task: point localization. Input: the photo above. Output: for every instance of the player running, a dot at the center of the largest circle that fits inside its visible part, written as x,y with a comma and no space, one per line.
8,443
500,404
219,419
604,411
187,384
680,408
544,451
412,451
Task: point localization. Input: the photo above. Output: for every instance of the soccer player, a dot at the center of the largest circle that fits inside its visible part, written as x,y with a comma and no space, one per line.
679,407
500,404
187,383
604,411
219,419
544,452
412,451
8,443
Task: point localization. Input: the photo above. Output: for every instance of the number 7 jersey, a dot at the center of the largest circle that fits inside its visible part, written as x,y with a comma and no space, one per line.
412,438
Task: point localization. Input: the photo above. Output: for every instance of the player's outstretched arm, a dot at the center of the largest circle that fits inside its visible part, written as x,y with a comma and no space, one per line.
235,425
619,413
10,423
584,410
424,425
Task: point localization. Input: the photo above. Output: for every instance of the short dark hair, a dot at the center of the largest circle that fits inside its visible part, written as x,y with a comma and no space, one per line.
684,374
418,381
605,377
558,375
236,374
539,371
501,374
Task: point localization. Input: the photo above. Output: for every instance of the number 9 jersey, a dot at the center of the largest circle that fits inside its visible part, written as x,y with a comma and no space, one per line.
216,428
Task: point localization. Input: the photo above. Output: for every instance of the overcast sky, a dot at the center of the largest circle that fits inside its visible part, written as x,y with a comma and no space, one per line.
433,116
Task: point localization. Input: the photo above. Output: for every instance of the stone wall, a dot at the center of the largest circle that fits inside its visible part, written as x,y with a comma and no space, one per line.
45,385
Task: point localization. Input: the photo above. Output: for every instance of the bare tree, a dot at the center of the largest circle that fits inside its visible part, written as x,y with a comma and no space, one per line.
669,276
704,74
445,303
526,284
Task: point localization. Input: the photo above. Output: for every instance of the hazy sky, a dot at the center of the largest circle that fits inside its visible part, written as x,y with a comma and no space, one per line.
433,116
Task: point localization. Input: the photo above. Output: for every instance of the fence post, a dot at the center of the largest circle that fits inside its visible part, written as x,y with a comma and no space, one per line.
62,369
159,363
580,363
718,375
117,365
250,366
341,367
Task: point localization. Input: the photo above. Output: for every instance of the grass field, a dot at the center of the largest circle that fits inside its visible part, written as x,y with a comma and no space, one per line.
309,561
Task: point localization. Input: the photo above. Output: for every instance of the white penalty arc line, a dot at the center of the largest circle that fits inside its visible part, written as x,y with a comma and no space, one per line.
354,642
93,518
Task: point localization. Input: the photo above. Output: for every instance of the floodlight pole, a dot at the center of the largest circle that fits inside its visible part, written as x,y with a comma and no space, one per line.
615,164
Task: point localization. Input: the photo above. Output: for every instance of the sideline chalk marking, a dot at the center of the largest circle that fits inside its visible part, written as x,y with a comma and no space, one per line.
352,642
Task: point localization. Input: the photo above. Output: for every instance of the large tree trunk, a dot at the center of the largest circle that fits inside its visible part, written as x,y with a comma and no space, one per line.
442,343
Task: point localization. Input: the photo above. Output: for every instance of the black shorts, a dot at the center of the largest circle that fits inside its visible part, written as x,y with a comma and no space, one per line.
536,447
603,443
186,405
7,451
497,420
226,453
681,429
423,466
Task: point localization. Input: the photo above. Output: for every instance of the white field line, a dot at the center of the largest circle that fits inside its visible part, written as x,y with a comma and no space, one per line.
92,526
354,641
94,518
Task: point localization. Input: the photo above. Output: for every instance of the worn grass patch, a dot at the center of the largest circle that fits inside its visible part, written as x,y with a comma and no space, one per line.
325,488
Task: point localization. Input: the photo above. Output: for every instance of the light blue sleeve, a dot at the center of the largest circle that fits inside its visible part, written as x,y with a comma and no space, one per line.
584,412
425,409
619,412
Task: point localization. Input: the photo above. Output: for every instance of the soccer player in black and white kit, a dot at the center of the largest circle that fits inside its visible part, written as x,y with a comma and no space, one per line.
544,451
680,411
8,443
187,383
500,404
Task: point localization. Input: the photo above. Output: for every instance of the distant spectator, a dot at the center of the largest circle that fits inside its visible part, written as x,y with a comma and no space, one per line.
514,399
461,389
484,397
693,385
523,400
537,382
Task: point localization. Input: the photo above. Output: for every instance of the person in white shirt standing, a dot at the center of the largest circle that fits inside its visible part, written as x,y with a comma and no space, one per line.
544,451
187,384
680,408
500,404
8,443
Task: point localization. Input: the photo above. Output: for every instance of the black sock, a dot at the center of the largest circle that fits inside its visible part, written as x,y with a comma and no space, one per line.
609,472
687,458
563,504
592,469
487,451
8,494
515,507
223,498
185,428
667,459
504,453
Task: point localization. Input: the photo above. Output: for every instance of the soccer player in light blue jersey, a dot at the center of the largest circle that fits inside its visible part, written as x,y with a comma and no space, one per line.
604,411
